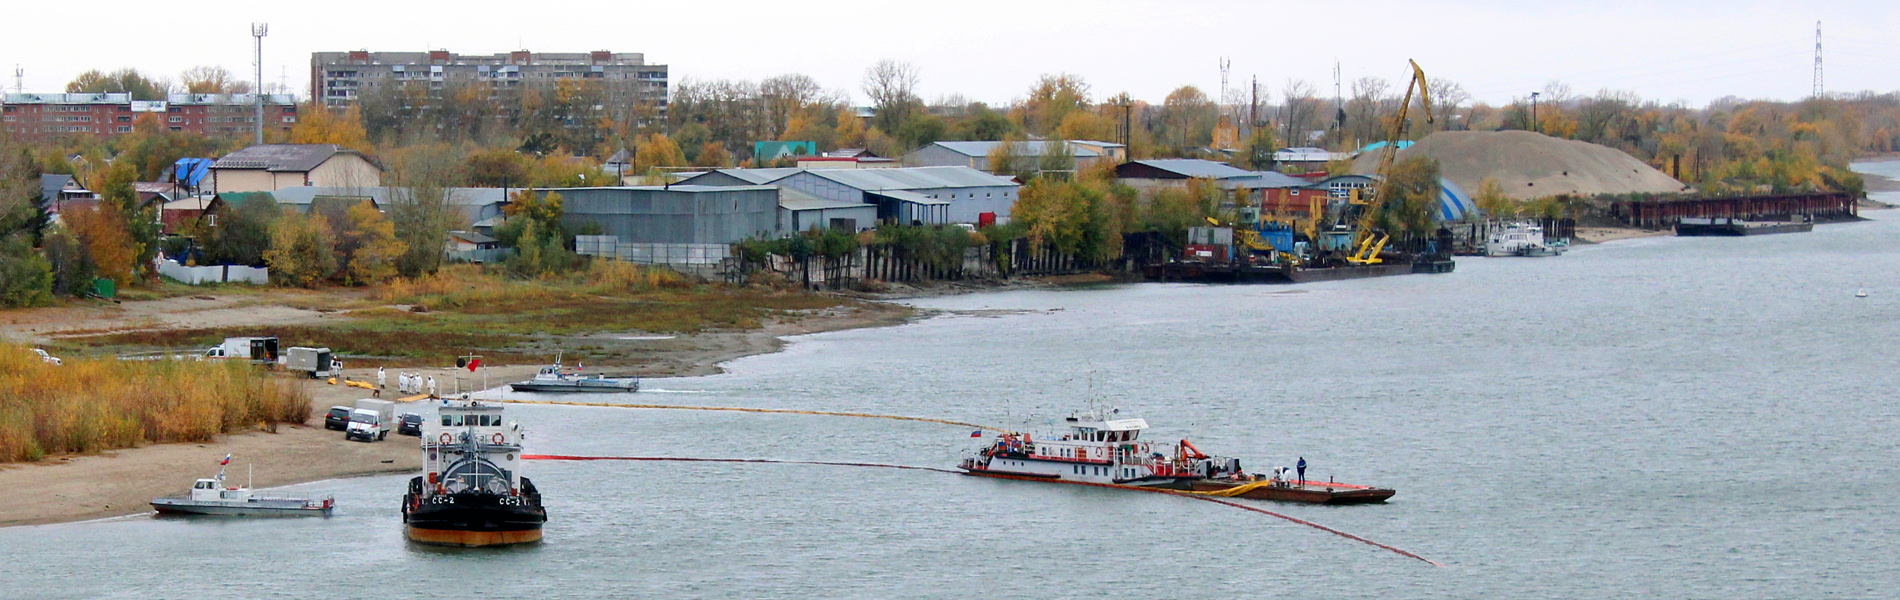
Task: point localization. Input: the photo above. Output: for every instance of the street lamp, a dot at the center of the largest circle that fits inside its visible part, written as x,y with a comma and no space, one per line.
1535,126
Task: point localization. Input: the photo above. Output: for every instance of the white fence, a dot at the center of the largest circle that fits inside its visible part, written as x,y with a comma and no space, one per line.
678,255
213,273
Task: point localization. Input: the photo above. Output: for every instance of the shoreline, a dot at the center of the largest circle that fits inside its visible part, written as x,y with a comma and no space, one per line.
121,483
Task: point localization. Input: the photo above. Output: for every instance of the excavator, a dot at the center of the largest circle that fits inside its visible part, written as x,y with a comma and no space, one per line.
1368,241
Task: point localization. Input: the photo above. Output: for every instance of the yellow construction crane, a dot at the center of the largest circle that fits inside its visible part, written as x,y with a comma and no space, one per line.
1368,242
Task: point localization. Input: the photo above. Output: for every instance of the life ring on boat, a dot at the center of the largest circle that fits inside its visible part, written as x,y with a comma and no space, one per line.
446,438
497,437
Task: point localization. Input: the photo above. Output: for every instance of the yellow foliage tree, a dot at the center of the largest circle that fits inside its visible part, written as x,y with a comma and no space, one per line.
850,131
656,151
371,244
1086,125
319,125
302,250
101,228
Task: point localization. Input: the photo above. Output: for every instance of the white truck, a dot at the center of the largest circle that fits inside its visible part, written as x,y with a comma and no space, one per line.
262,350
371,420
316,362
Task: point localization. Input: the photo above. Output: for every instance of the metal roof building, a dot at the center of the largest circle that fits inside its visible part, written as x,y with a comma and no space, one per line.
1175,172
976,155
678,214
921,194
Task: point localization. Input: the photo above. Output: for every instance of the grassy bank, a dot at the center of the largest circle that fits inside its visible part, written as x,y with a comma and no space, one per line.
463,309
88,405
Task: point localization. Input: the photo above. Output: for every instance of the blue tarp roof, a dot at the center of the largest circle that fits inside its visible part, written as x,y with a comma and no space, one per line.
191,171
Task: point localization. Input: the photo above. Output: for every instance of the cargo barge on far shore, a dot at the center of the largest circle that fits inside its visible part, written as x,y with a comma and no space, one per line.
1727,227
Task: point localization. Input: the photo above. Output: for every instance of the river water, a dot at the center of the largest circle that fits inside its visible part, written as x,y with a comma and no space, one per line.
1662,417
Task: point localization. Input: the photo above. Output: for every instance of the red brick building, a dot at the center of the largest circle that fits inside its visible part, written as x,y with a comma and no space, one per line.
38,117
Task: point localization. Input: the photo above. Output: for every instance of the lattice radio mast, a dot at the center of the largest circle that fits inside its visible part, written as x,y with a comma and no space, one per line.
1817,59
259,30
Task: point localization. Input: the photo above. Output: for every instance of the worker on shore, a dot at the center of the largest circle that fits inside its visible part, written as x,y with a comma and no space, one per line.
1302,468
381,382
432,386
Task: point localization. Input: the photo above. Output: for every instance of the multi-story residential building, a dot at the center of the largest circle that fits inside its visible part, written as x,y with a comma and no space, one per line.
37,117
339,79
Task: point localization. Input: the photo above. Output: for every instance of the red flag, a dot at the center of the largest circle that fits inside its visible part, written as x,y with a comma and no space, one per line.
474,363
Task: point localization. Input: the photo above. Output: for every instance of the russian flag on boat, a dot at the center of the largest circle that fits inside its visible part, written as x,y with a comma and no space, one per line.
226,461
977,433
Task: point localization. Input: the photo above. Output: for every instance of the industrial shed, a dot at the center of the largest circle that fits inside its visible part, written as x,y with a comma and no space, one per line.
799,211
679,214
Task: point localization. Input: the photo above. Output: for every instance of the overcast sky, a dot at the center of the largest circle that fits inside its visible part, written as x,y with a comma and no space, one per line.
1689,50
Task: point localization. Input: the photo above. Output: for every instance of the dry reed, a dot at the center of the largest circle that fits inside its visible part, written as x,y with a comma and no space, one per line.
88,405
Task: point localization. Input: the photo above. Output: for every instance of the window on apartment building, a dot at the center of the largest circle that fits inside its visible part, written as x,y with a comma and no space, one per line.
125,129
177,128
290,119
125,119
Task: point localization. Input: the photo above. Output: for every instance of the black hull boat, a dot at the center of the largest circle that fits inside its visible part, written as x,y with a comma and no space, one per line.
473,519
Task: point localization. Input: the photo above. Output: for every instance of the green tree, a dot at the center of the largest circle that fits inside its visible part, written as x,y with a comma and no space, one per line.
1256,153
919,129
983,125
422,208
243,231
25,277
1411,198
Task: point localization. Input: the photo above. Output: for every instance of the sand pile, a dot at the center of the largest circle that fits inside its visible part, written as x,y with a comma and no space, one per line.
1532,165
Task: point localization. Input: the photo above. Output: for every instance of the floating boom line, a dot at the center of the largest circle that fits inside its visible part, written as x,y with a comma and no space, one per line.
1178,493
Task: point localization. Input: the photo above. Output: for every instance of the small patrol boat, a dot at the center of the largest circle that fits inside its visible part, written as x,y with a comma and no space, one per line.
556,378
1107,449
213,497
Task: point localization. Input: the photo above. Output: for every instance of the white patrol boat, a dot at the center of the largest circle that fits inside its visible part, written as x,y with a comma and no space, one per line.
1096,449
212,497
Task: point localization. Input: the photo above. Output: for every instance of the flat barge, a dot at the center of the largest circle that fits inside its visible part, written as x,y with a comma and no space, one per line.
1238,272
1310,492
1726,227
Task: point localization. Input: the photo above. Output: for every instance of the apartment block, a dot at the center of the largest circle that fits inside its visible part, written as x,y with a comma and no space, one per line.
36,117
339,79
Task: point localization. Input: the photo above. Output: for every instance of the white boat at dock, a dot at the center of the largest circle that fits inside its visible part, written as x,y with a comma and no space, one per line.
1521,239
212,497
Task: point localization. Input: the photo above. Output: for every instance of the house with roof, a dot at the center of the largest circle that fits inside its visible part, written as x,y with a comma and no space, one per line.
174,214
1307,160
58,191
272,167
976,155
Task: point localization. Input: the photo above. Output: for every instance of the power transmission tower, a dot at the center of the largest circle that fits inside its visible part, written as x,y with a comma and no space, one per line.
259,30
1817,59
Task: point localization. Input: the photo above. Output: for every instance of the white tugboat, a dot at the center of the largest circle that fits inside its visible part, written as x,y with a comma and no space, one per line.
471,492
1097,449
1107,450
212,497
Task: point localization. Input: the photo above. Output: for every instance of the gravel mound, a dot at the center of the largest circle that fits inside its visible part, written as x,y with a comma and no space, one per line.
1532,165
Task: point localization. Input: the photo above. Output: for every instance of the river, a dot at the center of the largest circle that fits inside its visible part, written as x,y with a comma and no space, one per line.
1660,417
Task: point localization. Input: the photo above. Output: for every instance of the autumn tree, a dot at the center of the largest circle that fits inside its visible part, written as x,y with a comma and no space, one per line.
368,248
496,167
712,155
122,81
656,151
422,207
317,124
303,250
1051,100
892,88
850,130
212,79
1256,153
101,230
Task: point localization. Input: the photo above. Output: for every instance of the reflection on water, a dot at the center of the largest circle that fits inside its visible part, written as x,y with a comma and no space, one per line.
1661,417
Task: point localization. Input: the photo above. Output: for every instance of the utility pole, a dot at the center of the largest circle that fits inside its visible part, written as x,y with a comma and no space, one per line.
1535,126
259,30
1817,59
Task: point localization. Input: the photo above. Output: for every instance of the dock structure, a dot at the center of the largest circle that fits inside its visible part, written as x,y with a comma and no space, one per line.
1664,213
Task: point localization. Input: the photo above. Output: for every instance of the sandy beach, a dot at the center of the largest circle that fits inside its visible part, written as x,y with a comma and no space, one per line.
122,482
1598,235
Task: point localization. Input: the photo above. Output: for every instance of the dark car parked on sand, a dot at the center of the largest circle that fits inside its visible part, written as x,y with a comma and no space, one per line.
409,424
338,419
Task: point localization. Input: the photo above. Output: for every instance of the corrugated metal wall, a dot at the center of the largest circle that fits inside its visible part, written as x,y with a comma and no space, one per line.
677,216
